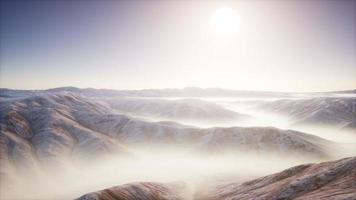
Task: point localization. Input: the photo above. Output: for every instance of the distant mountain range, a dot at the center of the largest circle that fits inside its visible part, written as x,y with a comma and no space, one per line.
185,92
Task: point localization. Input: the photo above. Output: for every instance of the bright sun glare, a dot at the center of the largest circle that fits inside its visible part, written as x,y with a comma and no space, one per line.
224,22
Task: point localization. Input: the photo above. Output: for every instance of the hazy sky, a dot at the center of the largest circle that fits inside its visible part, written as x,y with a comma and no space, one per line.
274,45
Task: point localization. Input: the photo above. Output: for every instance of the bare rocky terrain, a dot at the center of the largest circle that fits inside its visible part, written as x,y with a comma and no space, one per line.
142,190
328,180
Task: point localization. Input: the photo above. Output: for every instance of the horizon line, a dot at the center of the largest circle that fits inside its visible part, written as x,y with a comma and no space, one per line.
178,88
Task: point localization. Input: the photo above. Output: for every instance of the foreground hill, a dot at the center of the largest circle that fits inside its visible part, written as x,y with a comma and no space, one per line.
329,180
333,180
138,191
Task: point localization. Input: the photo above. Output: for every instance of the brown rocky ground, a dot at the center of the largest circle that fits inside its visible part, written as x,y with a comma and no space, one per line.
334,180
135,191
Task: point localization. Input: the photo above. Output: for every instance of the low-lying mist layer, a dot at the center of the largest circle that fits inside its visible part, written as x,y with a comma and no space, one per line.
71,180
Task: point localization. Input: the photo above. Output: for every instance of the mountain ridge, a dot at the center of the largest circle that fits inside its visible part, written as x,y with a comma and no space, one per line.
180,92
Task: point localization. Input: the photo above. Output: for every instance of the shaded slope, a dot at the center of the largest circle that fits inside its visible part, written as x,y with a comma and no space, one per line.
44,128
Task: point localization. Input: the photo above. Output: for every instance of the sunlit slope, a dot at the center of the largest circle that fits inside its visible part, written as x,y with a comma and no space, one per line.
328,180
141,190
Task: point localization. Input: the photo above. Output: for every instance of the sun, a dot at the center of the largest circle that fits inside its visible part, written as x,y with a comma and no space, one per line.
225,22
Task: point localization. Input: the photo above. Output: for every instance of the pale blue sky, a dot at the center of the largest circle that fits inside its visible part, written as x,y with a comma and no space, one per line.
278,46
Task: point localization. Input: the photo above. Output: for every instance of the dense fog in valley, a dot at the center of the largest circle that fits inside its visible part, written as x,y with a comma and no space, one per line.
194,171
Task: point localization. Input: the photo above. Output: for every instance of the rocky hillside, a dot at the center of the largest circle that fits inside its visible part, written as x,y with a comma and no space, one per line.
137,191
329,180
333,180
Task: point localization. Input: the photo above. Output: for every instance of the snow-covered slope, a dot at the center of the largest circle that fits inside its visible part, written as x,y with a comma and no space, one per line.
48,127
329,180
44,129
339,111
